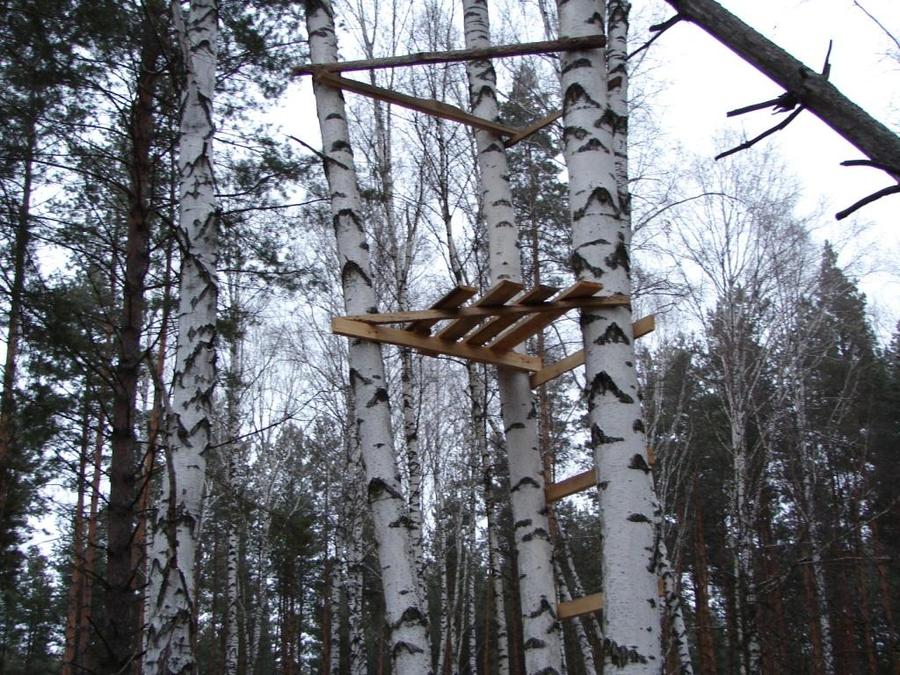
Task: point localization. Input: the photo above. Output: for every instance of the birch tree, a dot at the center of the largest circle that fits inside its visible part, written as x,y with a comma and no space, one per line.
408,624
594,121
541,634
169,639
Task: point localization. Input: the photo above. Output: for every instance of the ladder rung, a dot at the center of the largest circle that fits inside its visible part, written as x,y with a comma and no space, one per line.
553,492
579,606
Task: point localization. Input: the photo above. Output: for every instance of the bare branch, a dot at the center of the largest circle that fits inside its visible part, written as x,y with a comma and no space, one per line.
884,192
778,127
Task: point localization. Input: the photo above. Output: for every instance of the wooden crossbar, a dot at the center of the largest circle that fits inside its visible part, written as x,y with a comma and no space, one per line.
423,105
639,328
580,606
553,492
530,325
499,323
452,299
512,310
456,55
405,338
498,294
532,128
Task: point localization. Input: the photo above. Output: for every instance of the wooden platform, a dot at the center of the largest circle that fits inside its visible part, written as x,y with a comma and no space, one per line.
487,330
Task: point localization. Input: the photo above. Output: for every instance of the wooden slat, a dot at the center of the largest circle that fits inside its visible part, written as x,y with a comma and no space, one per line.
451,300
424,105
553,492
496,325
513,310
530,325
661,587
651,456
498,294
533,128
405,338
580,606
456,55
640,328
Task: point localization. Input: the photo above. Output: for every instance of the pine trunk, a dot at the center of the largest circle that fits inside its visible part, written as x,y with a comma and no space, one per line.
594,123
169,644
410,650
541,633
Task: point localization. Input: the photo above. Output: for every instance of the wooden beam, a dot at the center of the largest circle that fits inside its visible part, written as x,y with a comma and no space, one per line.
532,128
423,105
553,492
498,294
651,456
405,338
498,324
511,311
455,55
451,300
639,328
530,325
579,606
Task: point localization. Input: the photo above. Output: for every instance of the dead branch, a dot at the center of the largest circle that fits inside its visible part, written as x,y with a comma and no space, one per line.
778,127
884,192
659,29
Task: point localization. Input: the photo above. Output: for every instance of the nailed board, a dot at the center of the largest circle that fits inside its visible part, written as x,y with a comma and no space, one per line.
580,606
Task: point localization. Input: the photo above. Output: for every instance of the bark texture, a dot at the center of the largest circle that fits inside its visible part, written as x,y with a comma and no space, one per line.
169,642
601,236
541,633
410,650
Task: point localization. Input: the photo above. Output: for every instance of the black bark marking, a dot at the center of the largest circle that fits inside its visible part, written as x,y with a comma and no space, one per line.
574,132
536,533
599,194
543,608
575,94
619,257
411,615
515,425
599,437
523,523
603,384
402,646
580,264
356,376
593,145
334,116
638,426
504,223
534,643
621,656
350,270
548,670
402,521
612,335
377,487
582,62
341,146
638,517
380,396
639,463
527,480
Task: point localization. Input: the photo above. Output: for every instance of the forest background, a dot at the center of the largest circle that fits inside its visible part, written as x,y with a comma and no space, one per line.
768,376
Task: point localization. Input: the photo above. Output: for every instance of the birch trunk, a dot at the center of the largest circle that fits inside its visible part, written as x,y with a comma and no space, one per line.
410,650
594,124
169,644
674,610
541,633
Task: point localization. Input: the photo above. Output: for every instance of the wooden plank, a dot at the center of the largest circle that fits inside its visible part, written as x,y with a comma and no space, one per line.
451,300
651,456
553,492
423,105
455,55
579,606
640,328
498,294
533,128
530,325
405,338
499,323
513,310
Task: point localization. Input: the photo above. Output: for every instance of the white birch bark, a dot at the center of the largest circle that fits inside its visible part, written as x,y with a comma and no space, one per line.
581,637
601,234
541,634
672,605
410,651
170,630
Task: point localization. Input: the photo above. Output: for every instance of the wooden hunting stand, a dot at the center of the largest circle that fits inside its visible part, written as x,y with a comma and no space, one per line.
492,328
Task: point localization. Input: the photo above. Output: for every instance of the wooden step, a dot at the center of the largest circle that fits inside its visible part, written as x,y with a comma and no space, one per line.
580,606
553,492
496,295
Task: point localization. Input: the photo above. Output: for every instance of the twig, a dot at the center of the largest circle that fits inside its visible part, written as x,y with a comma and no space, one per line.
778,127
318,153
779,102
884,192
879,24
659,29
875,165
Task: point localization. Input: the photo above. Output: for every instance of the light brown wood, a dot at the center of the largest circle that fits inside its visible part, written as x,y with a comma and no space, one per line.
405,338
530,325
512,310
423,105
640,328
451,300
553,492
456,55
498,294
532,128
533,297
661,587
580,606
651,456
